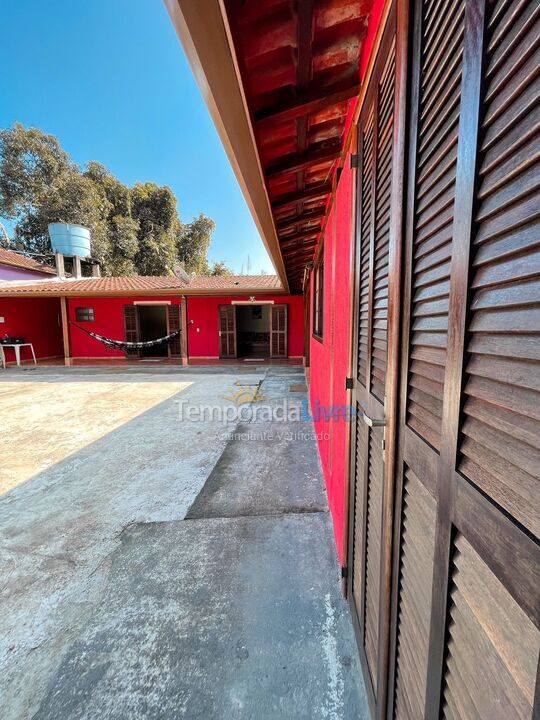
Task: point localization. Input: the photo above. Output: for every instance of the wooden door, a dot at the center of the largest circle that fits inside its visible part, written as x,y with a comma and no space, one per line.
227,331
131,328
278,331
466,600
174,323
376,323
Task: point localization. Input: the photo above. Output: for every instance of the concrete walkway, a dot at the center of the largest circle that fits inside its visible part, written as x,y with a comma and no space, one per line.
156,566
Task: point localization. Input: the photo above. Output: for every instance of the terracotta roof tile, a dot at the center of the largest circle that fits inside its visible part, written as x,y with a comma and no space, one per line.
231,284
10,257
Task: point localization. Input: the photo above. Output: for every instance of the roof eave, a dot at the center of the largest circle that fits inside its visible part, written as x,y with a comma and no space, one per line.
176,292
205,36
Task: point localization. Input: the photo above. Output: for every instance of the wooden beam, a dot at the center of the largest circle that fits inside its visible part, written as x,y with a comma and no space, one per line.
293,198
292,222
65,331
286,241
301,161
309,102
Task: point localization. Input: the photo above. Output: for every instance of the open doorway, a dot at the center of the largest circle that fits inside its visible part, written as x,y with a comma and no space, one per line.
253,331
153,325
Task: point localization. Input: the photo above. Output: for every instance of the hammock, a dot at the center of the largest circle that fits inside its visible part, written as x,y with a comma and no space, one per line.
123,345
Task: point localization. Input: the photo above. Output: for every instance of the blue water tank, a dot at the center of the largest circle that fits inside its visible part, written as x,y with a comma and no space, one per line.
70,239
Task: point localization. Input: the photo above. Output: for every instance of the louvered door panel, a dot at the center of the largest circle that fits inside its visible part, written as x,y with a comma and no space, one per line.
381,242
469,447
278,331
174,323
376,325
500,446
131,328
414,598
493,646
373,548
439,102
357,582
365,226
227,331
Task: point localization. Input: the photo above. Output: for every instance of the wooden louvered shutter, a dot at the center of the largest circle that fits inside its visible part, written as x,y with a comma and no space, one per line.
468,463
227,331
278,331
376,323
173,324
131,328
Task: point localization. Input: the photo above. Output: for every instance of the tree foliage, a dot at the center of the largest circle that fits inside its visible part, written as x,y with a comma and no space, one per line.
134,230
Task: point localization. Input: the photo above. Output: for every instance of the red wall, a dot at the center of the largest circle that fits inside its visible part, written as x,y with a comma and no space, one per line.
203,339
37,320
109,321
329,360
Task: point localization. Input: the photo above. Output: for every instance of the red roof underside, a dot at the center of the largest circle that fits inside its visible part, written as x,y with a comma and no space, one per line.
300,66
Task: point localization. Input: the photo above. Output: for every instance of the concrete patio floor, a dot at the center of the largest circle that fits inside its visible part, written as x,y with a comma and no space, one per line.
152,566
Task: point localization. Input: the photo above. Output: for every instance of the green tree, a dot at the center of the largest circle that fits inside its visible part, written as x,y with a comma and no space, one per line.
31,162
154,207
220,268
134,230
192,244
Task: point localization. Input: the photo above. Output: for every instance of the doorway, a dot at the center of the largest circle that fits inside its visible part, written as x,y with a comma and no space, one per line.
253,331
153,325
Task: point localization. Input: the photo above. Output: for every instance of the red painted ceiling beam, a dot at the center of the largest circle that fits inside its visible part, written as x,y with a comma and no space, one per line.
309,102
300,196
302,161
292,222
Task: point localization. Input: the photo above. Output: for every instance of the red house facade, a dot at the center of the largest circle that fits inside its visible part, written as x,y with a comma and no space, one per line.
232,318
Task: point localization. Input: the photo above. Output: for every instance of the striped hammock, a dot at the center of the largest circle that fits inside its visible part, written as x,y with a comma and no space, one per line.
124,345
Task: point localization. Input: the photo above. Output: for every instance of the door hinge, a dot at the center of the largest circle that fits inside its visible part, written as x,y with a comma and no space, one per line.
344,572
349,383
354,161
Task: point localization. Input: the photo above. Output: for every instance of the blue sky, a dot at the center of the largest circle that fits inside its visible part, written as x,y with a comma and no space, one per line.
110,80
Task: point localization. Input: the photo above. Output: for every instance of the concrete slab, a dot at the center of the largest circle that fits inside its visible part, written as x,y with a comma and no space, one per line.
235,618
266,468
113,605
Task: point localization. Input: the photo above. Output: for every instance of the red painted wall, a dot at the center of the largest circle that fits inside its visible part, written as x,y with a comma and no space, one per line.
37,320
330,359
203,339
109,321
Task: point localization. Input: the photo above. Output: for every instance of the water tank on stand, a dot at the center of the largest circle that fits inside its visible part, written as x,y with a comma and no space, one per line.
70,240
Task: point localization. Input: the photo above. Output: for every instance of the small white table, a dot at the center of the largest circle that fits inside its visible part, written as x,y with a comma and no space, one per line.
17,347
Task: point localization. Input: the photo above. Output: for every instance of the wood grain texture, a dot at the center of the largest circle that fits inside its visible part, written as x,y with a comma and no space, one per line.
415,579
438,119
500,432
493,647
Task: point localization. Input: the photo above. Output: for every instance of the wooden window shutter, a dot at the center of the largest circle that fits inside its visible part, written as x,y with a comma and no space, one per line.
468,480
131,328
174,323
278,331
